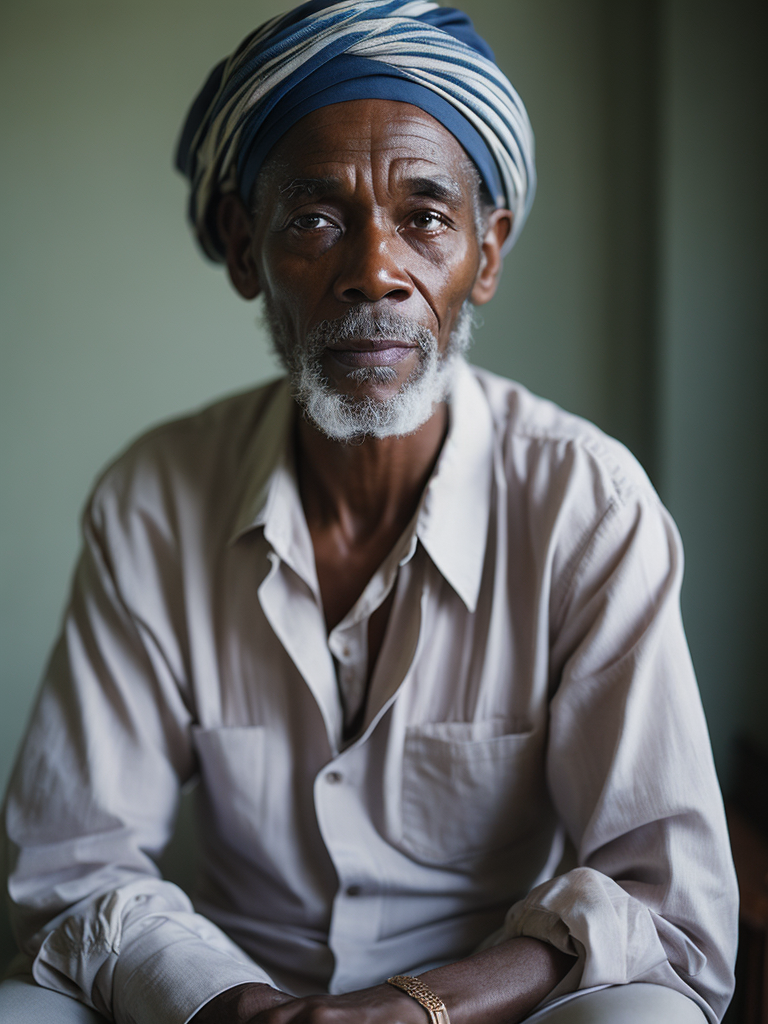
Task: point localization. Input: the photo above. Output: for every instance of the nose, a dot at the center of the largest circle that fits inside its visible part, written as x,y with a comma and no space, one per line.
371,266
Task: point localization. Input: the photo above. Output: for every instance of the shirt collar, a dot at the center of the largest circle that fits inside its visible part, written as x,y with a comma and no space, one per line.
452,523
270,492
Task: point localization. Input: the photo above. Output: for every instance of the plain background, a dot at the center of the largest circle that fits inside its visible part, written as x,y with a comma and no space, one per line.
636,295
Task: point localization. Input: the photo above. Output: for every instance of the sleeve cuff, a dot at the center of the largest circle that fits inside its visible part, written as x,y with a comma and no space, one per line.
166,981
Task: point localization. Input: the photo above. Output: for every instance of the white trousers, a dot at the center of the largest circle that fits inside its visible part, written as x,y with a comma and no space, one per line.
24,1002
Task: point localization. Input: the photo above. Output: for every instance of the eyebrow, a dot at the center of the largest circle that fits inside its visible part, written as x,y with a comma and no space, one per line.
441,188
298,187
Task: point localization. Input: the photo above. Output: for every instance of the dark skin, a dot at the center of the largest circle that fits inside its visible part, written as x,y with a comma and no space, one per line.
373,201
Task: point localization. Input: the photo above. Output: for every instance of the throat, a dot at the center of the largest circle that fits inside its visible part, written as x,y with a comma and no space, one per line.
357,587
344,572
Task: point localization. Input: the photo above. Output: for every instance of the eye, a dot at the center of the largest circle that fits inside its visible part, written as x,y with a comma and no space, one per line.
312,222
428,220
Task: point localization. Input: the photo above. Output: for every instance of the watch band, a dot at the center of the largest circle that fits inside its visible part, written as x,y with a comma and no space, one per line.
417,990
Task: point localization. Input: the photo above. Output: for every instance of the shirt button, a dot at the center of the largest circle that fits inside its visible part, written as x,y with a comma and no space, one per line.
334,777
354,890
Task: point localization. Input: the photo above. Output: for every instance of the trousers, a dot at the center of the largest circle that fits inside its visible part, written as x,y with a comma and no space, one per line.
24,1002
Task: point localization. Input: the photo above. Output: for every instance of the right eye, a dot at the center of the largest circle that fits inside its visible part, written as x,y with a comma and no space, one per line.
312,222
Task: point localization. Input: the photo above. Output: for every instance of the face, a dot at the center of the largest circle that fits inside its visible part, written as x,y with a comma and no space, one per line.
364,244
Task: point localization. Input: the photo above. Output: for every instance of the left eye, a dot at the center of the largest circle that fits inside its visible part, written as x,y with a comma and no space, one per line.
427,220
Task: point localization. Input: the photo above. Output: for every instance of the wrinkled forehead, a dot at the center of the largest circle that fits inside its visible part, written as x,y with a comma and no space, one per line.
386,141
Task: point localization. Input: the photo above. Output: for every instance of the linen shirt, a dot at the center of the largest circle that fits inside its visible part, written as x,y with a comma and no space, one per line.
533,683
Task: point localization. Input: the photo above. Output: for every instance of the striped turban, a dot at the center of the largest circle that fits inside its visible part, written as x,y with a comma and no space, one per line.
327,52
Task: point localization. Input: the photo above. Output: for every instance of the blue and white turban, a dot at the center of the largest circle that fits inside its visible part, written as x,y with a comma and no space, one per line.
326,52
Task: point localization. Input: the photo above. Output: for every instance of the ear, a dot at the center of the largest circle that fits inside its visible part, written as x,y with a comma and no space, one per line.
235,226
487,280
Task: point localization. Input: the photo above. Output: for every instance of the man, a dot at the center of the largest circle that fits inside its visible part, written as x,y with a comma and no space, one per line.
408,625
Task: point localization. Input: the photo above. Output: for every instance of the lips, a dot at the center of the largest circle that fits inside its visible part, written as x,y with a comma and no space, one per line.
371,352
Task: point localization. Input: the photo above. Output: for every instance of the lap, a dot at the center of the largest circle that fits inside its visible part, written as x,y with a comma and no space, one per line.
24,1002
636,1003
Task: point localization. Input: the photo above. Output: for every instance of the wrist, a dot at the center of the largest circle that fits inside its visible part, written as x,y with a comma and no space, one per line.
416,989
239,1004
501,984
402,1007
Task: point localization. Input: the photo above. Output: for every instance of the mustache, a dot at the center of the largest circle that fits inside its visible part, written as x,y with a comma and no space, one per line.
367,322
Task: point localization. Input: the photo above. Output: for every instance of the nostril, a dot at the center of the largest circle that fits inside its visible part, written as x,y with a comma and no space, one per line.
358,287
357,295
372,268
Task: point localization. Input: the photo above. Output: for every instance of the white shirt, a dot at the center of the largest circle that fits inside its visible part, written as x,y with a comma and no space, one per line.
534,681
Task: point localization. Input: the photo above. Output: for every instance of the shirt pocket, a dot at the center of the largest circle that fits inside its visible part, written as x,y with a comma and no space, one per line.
470,789
233,771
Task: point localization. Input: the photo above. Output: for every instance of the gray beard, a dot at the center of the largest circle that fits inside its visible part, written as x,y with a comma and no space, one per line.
346,418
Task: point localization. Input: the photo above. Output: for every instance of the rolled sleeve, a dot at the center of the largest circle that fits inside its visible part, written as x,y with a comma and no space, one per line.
141,954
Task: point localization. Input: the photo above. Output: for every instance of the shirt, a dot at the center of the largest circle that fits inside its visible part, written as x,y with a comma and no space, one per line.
533,683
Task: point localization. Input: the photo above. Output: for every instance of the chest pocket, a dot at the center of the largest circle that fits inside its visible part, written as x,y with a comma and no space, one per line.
470,789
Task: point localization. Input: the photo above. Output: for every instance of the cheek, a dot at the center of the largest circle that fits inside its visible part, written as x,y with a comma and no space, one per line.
295,290
455,269
448,289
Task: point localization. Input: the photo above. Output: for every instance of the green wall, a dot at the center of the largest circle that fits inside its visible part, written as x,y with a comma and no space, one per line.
713,373
635,295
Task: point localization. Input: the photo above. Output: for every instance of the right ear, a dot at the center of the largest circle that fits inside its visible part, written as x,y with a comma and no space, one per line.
235,227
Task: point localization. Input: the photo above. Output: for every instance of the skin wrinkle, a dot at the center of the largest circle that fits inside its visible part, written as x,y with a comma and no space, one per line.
379,168
443,189
482,201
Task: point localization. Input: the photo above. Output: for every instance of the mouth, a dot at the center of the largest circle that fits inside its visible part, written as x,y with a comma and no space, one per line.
371,352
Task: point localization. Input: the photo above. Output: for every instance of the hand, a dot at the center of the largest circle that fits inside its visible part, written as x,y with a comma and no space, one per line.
240,1004
382,1004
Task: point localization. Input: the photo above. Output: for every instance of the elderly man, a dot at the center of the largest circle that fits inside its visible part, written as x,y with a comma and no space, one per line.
409,626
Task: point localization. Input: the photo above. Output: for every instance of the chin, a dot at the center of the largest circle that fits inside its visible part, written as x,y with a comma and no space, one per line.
368,401
344,417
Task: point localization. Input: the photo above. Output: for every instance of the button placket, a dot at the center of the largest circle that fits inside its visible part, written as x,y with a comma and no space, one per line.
356,910
348,643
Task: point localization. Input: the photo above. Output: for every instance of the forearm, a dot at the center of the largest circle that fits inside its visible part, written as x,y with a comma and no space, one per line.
500,985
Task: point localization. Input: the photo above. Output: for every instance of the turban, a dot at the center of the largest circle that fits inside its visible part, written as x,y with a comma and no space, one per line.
327,52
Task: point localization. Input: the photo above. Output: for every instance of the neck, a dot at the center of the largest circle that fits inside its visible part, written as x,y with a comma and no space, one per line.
366,487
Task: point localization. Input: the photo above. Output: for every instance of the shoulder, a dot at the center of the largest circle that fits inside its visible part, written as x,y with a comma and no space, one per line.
190,461
536,436
569,494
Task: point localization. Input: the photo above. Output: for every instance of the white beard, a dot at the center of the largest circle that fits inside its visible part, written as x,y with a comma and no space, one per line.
344,417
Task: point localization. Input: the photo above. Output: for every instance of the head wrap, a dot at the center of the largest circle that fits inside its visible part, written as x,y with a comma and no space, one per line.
327,52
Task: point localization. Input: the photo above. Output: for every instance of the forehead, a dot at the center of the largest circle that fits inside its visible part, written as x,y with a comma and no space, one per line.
372,135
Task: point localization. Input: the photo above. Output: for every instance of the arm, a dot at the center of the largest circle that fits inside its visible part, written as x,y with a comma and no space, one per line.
500,985
653,896
90,807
